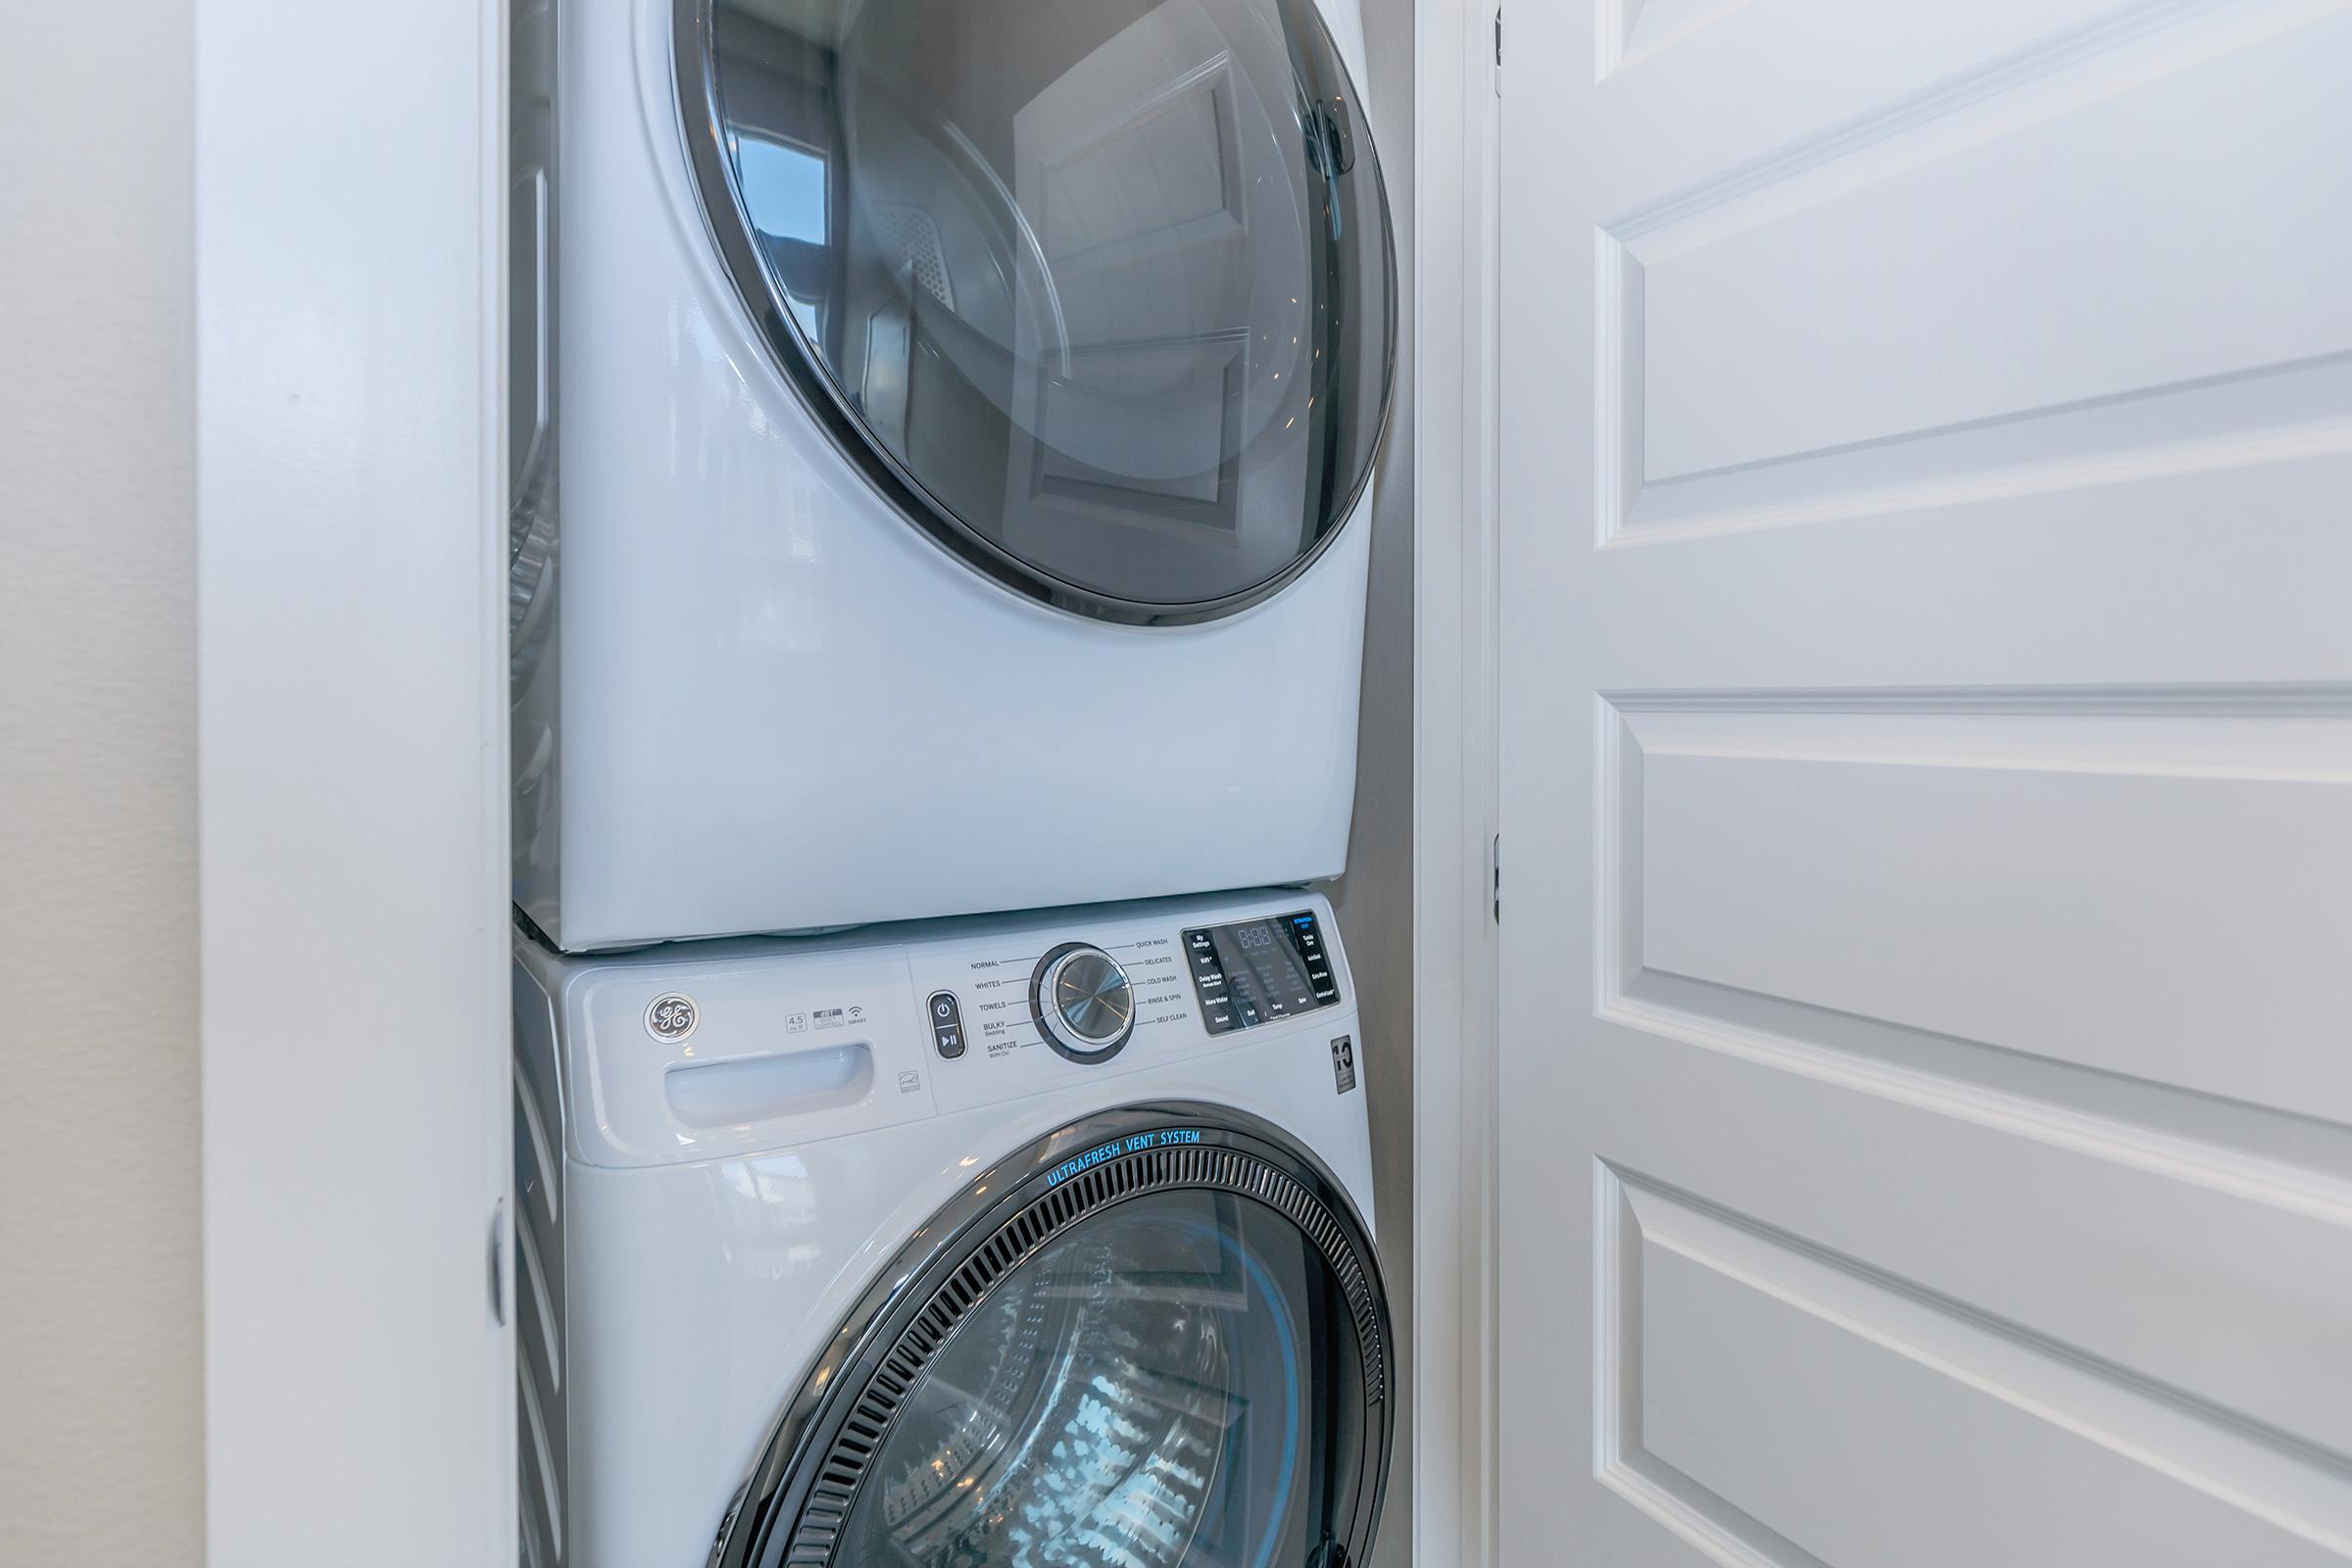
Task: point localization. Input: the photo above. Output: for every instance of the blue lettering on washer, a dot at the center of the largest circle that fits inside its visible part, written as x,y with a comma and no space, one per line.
1125,1146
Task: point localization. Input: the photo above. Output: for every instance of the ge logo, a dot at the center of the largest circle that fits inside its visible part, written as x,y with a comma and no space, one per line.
672,1018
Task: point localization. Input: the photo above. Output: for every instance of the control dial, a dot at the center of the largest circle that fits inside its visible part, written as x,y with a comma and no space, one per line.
1083,1003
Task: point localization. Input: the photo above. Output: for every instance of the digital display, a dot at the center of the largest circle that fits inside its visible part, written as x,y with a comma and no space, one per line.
1259,971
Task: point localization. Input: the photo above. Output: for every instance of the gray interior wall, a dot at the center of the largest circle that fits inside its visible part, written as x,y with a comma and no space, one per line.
1374,900
101,1350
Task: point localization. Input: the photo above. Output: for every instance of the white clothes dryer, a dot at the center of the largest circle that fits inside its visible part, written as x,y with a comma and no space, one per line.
936,428
991,1243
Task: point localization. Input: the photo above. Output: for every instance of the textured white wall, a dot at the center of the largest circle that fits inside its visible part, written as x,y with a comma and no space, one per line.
1374,900
101,1369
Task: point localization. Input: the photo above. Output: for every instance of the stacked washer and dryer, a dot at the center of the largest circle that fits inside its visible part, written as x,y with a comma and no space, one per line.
937,619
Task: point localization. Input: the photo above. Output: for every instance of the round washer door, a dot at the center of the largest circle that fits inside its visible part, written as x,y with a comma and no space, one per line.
1099,292
1163,1345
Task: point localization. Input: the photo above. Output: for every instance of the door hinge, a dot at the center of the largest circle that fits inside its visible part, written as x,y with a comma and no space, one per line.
1497,51
1494,874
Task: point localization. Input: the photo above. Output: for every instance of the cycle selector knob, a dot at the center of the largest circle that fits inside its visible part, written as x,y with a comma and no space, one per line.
1083,1002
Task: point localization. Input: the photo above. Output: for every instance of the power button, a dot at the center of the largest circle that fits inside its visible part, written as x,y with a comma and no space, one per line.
947,1025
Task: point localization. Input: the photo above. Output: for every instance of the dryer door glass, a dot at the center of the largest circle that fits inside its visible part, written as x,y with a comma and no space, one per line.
1099,291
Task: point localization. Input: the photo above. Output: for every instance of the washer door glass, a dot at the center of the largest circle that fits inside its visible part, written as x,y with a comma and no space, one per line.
1167,1383
1099,291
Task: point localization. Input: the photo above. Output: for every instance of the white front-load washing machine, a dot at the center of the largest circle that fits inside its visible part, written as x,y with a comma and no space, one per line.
937,426
990,1243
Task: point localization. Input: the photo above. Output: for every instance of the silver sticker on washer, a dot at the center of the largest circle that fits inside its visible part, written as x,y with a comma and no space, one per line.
1343,1062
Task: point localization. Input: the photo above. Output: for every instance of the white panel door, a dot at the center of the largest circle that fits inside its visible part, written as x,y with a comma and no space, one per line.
1926,1093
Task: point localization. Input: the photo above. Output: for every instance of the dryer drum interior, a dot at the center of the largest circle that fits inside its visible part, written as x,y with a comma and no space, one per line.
1166,1346
1099,292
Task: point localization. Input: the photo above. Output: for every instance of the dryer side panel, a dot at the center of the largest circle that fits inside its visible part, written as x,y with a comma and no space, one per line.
534,449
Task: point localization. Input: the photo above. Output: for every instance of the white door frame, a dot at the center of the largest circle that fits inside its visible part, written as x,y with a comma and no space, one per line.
350,176
1455,164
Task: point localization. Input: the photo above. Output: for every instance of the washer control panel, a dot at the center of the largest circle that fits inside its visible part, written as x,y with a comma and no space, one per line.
1259,971
1013,1009
711,1048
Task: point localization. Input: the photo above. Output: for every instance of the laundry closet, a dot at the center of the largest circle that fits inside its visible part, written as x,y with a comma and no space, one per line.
1189,784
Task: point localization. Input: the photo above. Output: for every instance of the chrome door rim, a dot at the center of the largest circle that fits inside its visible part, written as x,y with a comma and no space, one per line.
792,1506
692,49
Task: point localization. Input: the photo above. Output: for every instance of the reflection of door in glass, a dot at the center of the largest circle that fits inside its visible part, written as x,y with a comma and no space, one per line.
784,148
783,188
1153,1389
1162,338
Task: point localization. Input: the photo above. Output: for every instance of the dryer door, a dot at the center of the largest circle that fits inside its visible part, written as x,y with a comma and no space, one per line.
1164,1344
1099,292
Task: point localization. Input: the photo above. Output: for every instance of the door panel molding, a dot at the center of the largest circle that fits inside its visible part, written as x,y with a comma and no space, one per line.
1738,326
1922,1132
2271,1496
2115,793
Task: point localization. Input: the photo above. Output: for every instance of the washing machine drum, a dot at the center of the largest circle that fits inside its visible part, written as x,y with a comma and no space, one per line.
1099,292
1174,1354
